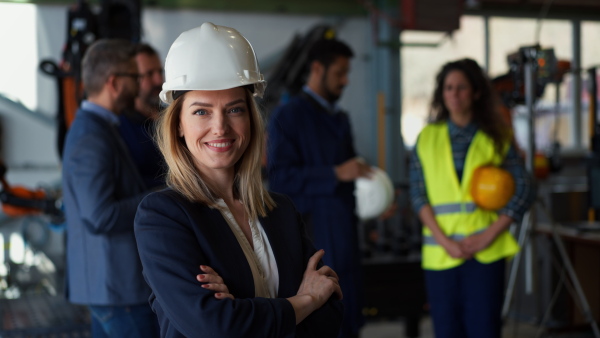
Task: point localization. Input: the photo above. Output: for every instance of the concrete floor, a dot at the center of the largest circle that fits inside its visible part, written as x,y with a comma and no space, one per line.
513,329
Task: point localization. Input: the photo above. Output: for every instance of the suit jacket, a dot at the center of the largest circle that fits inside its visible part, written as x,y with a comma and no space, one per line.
136,131
175,236
101,191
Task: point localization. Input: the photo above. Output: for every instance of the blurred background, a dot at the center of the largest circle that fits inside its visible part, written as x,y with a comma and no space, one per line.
399,47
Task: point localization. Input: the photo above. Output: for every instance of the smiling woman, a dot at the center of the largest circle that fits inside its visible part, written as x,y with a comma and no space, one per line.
216,128
222,255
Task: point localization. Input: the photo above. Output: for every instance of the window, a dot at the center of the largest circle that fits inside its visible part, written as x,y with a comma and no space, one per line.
421,64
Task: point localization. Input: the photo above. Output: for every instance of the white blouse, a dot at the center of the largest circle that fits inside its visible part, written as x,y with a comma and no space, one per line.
261,259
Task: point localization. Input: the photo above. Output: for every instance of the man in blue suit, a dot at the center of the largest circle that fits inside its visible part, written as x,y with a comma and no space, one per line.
311,158
102,189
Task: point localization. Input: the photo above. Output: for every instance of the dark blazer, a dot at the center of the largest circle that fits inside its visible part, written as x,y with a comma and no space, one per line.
175,236
101,191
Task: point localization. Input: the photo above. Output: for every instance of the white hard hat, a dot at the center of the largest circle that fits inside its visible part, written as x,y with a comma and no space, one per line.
373,195
210,57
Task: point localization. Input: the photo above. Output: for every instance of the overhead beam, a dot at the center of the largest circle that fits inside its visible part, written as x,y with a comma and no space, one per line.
318,7
532,11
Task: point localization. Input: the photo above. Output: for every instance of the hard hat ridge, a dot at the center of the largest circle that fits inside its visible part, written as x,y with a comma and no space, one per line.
211,57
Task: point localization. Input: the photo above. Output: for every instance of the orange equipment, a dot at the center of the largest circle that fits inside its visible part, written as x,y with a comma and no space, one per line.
492,187
19,193
541,165
19,201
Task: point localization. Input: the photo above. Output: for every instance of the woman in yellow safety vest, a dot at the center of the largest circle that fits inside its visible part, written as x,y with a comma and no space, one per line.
465,246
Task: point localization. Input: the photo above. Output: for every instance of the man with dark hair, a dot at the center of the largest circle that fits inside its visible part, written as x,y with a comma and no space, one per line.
311,158
102,189
137,125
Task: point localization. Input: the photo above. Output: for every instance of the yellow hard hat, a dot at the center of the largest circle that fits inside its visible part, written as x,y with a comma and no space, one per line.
492,187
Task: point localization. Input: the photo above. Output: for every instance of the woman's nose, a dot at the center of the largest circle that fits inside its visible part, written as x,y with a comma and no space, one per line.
220,124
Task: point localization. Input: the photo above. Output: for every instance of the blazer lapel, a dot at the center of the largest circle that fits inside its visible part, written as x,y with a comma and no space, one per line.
281,254
235,253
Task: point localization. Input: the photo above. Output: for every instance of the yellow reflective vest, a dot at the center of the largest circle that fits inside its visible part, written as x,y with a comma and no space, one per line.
451,200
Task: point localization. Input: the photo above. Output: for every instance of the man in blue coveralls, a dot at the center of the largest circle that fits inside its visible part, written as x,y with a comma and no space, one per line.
311,158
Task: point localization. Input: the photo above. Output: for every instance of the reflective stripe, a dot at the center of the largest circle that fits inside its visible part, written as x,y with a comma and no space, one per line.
450,208
429,240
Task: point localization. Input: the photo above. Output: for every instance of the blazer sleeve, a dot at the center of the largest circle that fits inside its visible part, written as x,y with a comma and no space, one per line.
327,320
166,243
288,171
91,176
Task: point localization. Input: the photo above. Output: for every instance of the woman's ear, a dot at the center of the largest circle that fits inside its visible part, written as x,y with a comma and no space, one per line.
180,131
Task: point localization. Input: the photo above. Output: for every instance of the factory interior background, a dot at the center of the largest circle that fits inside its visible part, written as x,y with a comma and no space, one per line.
399,47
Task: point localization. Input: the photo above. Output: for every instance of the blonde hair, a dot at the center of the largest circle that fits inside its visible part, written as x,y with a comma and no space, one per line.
183,177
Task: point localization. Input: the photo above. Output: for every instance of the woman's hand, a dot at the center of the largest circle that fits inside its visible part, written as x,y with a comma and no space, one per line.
213,282
455,249
319,284
480,241
316,288
477,242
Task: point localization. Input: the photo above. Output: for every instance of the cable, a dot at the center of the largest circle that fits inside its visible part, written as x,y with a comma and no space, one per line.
543,14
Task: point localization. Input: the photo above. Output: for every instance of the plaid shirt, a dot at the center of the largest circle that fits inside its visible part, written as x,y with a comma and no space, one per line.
460,139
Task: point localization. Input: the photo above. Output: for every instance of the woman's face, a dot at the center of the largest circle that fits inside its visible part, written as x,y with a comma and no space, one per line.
215,125
458,94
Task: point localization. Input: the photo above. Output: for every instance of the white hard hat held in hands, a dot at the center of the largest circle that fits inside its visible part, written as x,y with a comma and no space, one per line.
374,195
211,57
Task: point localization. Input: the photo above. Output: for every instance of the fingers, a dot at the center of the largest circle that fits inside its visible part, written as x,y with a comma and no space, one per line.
338,292
469,245
221,291
213,282
335,285
456,250
209,278
332,275
216,287
314,260
364,170
222,295
367,171
465,250
208,269
329,272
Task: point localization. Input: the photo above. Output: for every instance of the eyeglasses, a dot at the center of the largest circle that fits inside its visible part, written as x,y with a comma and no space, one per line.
135,76
152,72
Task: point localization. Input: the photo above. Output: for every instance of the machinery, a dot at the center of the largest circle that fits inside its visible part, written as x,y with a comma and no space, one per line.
116,19
511,88
21,201
287,76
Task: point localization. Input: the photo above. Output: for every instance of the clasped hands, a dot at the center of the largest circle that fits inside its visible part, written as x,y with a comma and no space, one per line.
469,246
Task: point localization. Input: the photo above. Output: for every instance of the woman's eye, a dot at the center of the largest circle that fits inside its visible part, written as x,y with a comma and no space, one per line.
236,110
200,112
